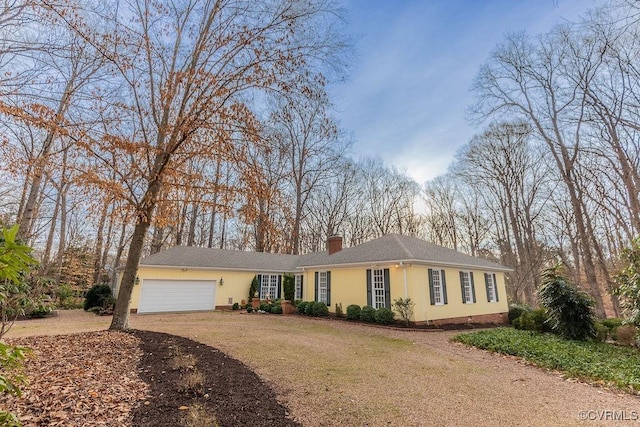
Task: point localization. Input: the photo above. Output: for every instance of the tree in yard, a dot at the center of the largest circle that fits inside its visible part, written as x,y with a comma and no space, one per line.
570,310
186,72
309,139
628,282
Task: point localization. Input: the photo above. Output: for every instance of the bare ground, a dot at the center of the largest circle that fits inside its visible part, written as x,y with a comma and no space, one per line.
336,373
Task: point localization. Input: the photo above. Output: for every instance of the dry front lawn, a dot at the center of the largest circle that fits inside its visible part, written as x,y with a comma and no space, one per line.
330,372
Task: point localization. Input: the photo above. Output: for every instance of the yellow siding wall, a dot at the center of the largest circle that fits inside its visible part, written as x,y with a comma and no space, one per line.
349,286
235,283
455,307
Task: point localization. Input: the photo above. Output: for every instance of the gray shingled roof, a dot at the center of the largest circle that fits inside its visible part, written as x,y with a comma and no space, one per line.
395,247
389,248
190,256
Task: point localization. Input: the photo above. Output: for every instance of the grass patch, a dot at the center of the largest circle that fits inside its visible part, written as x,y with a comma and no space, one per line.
592,361
197,416
192,382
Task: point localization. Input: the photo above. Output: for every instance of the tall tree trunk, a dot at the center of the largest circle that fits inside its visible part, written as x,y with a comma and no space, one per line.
192,224
62,243
46,257
97,271
30,206
120,320
116,261
157,240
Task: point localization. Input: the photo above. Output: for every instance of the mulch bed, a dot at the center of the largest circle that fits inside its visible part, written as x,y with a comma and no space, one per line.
231,391
132,379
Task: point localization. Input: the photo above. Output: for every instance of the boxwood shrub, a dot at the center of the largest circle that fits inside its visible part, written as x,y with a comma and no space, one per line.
320,309
353,312
276,309
308,310
301,306
517,310
368,314
265,307
384,316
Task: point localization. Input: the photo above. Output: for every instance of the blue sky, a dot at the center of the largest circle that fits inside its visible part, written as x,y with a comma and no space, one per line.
408,91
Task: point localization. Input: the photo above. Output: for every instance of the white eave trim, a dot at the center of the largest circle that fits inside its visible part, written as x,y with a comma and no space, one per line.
405,262
188,267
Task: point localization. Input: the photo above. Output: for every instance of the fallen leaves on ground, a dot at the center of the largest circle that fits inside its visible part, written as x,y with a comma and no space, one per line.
87,379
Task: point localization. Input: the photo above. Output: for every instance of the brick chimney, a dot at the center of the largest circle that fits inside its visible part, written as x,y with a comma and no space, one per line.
334,244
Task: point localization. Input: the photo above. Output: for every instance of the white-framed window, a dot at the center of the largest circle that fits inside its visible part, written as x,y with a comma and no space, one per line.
298,286
467,287
490,282
268,286
377,280
438,291
322,287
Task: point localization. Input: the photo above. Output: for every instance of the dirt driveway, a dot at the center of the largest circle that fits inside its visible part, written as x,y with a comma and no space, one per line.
336,373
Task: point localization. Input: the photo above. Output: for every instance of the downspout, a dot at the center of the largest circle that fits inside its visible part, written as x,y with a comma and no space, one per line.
406,288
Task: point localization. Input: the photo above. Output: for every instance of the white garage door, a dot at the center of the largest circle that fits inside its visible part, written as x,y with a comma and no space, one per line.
176,295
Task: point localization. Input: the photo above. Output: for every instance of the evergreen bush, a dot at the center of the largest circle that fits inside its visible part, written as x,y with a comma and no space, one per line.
353,312
368,314
384,316
97,296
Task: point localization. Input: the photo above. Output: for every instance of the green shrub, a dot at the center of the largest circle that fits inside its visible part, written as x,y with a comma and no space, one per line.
320,309
276,309
516,310
64,291
253,288
249,308
610,328
368,314
41,309
602,332
570,310
289,287
301,306
353,312
97,296
534,320
265,307
384,316
296,302
308,310
235,306
611,323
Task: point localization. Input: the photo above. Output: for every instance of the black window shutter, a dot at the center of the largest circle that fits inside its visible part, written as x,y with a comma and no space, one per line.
279,293
486,285
464,300
302,286
316,295
387,289
259,285
328,288
473,288
495,287
369,299
433,302
443,280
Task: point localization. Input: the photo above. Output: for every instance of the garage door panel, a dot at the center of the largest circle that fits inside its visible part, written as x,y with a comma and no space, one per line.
176,295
